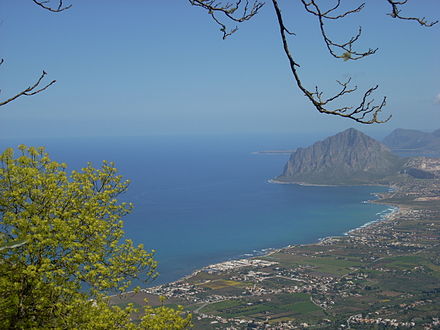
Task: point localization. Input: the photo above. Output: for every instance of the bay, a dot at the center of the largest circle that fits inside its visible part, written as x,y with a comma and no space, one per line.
205,199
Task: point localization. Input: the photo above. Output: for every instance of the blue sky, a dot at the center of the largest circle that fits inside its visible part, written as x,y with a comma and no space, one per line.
161,67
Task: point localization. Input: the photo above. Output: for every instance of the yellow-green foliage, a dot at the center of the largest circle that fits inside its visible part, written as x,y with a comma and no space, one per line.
164,318
70,252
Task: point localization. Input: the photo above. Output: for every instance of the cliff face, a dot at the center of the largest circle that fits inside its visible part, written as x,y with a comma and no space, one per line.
349,157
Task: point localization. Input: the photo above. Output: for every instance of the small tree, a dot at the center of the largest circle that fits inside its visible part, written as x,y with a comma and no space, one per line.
63,247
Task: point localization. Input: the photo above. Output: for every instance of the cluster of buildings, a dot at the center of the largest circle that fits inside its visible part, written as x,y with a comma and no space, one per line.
235,264
357,320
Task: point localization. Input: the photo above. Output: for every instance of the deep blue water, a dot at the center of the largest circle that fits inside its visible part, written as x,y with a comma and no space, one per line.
205,199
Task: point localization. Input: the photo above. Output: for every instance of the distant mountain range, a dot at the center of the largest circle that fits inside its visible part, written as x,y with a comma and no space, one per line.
351,158
409,142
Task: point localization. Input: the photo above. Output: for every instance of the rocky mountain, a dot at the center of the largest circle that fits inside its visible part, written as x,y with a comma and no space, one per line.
409,142
349,157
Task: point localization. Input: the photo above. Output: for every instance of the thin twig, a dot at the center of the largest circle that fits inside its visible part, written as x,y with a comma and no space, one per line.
46,5
395,13
31,90
237,12
316,98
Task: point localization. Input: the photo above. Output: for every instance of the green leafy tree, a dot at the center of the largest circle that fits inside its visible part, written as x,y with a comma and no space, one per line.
63,248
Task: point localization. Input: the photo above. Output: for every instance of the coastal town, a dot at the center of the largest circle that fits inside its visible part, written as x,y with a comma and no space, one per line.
385,274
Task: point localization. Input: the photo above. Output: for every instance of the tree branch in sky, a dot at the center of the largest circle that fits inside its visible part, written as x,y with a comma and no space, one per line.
47,4
237,12
366,112
36,88
395,13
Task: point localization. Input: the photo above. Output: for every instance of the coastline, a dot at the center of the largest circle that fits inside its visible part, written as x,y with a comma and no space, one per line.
305,184
392,214
275,181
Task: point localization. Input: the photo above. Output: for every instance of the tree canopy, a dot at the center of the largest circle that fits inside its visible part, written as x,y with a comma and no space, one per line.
63,247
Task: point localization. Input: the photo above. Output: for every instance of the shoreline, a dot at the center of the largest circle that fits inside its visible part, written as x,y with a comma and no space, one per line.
275,181
394,211
305,184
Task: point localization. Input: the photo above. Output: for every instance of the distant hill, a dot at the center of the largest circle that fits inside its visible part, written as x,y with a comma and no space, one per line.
409,142
349,157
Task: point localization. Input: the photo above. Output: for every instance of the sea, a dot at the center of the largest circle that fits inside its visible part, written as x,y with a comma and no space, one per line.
204,199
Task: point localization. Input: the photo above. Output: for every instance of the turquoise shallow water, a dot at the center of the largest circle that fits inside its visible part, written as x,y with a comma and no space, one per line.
200,200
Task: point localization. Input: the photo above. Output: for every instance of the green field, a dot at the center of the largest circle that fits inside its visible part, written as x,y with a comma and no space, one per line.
327,265
287,306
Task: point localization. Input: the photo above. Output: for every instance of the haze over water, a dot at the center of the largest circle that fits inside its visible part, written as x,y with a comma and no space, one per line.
205,199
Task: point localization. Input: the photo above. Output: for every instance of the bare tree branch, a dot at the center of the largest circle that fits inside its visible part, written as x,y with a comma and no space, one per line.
46,4
358,114
395,13
31,90
346,48
37,87
366,112
237,12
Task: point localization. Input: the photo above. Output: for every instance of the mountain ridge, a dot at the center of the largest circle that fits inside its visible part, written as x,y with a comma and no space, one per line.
411,142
